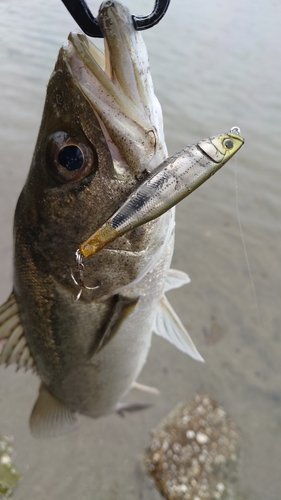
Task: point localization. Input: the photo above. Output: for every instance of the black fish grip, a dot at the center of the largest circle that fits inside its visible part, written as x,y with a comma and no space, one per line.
89,24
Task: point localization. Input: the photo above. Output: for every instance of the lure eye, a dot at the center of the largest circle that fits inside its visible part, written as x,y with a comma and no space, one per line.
228,144
69,160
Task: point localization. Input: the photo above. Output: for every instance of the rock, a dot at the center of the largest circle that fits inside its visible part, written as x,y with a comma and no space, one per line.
9,476
194,452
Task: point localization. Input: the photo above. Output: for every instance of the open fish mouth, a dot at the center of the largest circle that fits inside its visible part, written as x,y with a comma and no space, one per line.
119,87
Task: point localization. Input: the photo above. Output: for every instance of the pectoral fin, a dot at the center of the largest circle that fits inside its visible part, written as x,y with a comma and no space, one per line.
50,417
145,388
169,326
122,408
122,309
13,345
175,279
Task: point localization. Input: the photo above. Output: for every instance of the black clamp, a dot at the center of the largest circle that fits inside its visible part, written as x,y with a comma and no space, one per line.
89,24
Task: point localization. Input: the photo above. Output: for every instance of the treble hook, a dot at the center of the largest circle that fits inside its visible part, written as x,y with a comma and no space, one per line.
89,24
80,280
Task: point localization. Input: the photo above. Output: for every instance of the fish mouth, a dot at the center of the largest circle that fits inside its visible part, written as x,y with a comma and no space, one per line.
118,86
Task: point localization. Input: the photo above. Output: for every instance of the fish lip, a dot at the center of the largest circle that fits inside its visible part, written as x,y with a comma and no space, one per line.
91,68
85,52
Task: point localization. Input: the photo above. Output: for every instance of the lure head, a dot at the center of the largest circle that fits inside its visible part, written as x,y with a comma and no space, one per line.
221,148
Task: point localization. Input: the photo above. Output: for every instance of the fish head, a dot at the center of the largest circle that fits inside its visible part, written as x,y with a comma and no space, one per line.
101,131
118,88
91,92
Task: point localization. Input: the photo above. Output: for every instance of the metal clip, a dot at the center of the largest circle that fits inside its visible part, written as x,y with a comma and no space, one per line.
89,24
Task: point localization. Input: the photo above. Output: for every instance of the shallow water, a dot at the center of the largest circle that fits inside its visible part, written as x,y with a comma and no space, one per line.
214,65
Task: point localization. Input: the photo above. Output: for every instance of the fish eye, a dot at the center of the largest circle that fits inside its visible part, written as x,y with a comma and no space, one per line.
71,157
68,159
228,143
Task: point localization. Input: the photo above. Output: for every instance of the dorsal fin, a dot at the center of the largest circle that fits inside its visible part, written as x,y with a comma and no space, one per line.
13,345
49,416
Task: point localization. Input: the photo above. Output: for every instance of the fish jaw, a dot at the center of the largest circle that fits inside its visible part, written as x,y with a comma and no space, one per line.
119,88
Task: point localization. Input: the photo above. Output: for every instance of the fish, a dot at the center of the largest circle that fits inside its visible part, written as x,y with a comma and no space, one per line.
101,135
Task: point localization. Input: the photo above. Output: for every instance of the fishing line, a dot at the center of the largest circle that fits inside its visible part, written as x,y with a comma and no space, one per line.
263,369
243,241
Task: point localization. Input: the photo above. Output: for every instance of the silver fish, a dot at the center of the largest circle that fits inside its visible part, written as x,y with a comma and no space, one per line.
169,183
101,132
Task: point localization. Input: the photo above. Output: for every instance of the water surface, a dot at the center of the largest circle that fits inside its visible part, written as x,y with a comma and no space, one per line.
215,65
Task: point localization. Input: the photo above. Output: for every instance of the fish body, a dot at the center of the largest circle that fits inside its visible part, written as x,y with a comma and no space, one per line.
88,353
101,134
